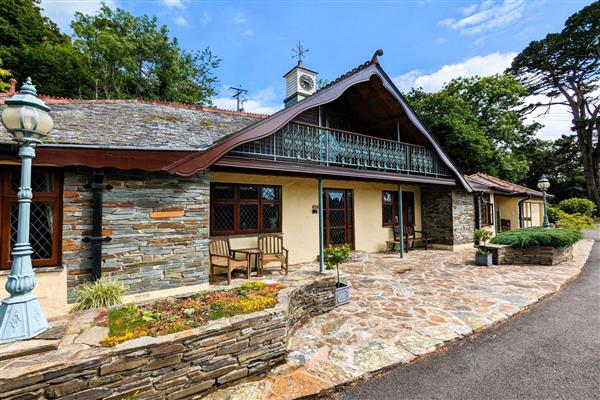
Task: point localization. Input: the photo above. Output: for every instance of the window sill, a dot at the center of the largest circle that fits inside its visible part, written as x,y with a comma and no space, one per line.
244,235
37,270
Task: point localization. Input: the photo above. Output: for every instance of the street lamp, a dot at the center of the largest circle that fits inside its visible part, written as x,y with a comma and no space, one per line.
26,118
543,184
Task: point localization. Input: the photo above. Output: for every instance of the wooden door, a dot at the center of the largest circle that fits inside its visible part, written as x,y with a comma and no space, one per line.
338,217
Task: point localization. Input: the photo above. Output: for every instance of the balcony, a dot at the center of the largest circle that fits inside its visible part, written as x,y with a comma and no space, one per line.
304,143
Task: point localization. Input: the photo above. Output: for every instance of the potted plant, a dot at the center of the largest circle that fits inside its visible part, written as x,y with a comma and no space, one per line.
483,256
334,256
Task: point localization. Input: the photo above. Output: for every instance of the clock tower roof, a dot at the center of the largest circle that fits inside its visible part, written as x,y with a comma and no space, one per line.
301,68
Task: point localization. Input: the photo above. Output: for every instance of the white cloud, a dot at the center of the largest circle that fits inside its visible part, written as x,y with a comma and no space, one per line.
557,121
180,21
264,101
487,15
248,32
62,11
480,65
239,18
173,3
205,18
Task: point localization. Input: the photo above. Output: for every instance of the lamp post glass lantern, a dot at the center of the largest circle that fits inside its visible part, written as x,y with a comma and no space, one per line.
543,184
26,118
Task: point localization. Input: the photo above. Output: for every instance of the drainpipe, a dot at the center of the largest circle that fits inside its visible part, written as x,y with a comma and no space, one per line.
97,187
521,210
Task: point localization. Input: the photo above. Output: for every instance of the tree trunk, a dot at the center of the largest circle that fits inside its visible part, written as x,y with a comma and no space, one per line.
590,162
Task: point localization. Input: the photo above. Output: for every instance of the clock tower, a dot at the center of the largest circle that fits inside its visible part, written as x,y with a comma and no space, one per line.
300,82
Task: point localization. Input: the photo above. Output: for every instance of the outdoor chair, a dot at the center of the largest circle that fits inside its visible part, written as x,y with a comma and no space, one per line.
410,234
221,255
392,244
272,250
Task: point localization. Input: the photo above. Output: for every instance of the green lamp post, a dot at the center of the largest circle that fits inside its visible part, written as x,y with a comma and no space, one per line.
543,184
26,118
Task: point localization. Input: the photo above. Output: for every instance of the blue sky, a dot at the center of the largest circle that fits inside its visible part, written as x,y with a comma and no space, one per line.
425,42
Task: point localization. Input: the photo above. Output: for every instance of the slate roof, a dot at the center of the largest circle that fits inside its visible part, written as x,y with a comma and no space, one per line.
139,124
484,182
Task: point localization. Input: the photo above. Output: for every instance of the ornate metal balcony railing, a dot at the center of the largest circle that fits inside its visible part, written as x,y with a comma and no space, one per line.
326,146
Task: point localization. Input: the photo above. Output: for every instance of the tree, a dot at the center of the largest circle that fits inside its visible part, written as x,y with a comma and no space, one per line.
560,160
476,121
4,73
132,57
565,68
32,45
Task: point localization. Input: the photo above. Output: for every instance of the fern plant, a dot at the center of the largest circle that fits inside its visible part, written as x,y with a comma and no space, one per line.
102,293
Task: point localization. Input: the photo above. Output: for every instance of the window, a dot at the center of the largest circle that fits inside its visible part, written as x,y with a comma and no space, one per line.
240,209
46,215
390,208
486,210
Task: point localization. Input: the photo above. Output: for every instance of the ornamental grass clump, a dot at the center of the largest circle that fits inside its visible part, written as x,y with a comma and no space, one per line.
530,237
166,316
99,294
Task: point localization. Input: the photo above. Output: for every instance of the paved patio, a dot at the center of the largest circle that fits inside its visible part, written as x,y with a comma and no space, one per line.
401,309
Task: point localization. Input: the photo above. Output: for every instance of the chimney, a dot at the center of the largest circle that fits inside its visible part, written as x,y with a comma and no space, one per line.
13,86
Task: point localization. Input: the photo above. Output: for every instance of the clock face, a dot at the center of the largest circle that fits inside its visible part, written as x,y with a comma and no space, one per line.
306,82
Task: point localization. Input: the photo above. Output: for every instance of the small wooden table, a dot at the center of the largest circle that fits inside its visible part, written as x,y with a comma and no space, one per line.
253,253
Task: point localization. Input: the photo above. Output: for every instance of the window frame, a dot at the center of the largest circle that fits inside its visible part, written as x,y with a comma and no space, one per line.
236,201
8,197
486,210
394,203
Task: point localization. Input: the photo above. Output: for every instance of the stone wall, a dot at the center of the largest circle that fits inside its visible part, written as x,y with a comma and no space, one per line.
541,255
158,224
182,365
448,215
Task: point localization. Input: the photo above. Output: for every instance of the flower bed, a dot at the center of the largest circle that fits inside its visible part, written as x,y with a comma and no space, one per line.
168,316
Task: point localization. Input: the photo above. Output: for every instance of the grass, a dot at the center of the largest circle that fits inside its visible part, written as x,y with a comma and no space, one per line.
530,237
167,316
101,293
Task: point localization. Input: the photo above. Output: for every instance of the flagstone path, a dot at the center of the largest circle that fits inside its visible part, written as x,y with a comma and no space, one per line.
402,309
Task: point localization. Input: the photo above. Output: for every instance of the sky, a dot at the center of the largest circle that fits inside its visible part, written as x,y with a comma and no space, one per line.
425,42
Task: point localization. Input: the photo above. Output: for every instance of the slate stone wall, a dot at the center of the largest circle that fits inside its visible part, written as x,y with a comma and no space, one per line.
448,215
184,365
158,224
541,255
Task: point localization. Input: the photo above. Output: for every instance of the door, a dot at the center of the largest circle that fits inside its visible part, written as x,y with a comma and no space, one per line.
338,218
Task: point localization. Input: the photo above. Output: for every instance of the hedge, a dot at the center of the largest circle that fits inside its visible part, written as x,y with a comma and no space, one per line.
530,237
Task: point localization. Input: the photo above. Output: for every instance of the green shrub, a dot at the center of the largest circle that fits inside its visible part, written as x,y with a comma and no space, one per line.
575,221
529,237
578,205
483,235
554,213
334,256
101,293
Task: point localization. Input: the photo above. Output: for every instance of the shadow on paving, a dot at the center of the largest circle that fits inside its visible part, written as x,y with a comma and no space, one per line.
550,352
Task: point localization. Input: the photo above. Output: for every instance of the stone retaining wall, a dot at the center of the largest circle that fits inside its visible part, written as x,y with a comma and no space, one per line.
158,224
187,364
541,255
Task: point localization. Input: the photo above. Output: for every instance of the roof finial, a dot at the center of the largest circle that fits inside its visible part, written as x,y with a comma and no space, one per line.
299,52
374,59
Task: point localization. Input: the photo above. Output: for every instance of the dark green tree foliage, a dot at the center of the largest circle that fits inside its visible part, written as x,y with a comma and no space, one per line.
32,45
132,57
112,54
476,121
565,67
560,160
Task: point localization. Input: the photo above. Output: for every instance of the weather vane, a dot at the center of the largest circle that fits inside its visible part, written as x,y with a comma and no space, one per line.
299,52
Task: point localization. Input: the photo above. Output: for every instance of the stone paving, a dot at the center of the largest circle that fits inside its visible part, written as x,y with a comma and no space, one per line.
400,310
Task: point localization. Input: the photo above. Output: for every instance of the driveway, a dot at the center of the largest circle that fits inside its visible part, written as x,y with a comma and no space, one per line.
551,352
400,310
